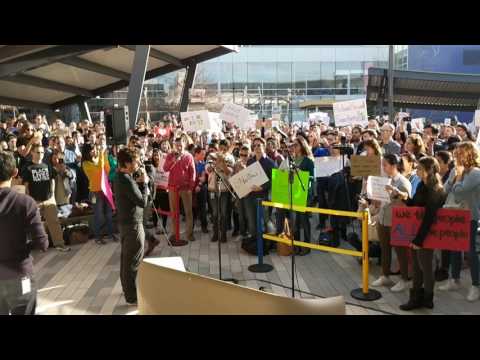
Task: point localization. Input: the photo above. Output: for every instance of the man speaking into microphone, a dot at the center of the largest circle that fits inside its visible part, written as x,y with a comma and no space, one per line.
132,198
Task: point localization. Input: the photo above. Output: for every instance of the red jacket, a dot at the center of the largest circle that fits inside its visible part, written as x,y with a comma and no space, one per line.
182,172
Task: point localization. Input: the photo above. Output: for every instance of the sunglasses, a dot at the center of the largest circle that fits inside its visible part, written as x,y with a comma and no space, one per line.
256,145
243,155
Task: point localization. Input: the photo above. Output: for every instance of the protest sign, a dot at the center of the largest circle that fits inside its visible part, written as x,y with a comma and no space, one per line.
418,123
352,112
447,121
327,165
365,165
161,177
450,231
319,117
376,188
215,123
237,115
280,188
476,118
243,181
193,121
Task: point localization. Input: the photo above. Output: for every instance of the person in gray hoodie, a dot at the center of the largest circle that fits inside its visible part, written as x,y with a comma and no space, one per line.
464,185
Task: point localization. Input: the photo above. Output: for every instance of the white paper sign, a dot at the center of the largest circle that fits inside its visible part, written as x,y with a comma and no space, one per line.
327,165
447,121
193,121
215,123
236,114
161,177
320,116
476,118
350,112
243,181
376,188
418,123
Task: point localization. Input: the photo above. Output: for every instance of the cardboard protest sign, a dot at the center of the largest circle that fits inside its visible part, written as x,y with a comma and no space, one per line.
280,188
365,165
237,115
243,181
350,112
450,231
327,165
476,118
376,188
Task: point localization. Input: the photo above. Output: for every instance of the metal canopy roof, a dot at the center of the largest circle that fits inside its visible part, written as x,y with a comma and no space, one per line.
425,90
51,76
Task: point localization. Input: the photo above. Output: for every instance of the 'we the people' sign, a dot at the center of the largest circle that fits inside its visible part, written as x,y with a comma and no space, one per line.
450,231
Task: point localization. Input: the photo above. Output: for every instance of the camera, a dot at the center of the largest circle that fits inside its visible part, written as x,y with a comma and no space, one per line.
344,148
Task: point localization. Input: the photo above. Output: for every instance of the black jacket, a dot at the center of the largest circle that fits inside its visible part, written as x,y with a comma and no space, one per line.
131,198
21,230
432,201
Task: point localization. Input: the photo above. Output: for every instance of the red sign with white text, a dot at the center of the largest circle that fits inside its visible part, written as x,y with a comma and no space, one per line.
450,231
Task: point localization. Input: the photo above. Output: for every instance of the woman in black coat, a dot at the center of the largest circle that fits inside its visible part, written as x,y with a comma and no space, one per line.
431,196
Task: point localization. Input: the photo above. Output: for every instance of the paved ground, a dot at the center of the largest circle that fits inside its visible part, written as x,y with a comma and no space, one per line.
86,280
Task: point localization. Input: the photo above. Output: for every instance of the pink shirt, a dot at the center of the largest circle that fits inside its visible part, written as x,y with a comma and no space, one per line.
182,172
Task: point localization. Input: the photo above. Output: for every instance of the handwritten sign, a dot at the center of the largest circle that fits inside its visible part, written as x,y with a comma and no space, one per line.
366,165
215,123
237,115
476,118
350,112
447,121
193,121
280,188
327,165
450,231
161,177
243,181
376,188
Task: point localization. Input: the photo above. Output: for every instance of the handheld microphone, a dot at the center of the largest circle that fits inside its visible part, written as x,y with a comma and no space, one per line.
285,136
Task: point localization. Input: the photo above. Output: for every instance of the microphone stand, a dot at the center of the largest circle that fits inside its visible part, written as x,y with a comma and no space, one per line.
292,169
221,180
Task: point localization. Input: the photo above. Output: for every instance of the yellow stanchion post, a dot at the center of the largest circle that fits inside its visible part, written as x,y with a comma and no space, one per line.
365,293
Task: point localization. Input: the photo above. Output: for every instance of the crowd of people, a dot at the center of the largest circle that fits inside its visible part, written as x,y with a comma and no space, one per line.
63,166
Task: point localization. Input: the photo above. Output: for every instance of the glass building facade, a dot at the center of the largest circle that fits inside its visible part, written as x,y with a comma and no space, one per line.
283,79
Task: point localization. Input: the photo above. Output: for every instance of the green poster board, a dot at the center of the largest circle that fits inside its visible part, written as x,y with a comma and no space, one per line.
280,188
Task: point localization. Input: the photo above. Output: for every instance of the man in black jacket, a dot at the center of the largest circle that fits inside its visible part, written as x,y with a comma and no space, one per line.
130,207
21,231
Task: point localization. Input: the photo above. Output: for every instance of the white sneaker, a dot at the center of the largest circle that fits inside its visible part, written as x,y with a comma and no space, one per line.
382,281
473,294
400,286
450,285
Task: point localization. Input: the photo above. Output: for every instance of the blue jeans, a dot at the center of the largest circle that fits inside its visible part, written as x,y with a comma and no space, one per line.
102,213
456,258
12,299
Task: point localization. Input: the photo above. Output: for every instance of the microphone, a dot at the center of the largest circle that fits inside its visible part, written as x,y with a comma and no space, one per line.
285,136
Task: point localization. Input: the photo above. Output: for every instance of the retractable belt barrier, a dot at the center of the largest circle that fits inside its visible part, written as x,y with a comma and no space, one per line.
175,215
363,293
